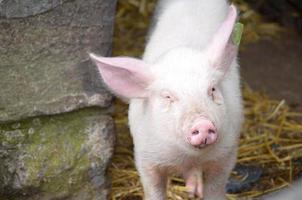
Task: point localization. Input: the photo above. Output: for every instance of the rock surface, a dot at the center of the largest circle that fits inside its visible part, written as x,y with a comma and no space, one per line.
25,8
56,157
44,65
51,145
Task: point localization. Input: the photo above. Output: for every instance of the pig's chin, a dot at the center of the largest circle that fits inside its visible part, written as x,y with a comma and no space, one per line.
189,150
200,147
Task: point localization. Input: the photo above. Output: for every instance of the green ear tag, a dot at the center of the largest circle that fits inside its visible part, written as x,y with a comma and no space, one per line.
237,33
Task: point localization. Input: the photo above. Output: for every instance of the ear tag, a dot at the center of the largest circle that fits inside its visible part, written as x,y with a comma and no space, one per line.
237,33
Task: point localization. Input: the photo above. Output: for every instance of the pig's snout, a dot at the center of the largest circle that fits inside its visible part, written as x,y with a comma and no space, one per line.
202,133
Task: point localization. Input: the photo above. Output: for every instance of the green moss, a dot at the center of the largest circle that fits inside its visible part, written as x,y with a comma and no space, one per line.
54,149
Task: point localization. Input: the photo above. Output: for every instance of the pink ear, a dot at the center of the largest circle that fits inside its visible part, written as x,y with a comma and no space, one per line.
125,76
221,50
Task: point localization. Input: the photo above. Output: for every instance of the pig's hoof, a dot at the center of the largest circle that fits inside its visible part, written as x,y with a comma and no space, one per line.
194,185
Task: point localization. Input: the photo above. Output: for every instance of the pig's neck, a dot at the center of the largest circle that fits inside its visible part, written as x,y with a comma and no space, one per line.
184,23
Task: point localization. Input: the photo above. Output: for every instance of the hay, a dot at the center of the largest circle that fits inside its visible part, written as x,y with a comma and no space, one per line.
271,136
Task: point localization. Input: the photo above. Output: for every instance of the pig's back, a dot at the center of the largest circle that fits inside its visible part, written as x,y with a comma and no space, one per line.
184,23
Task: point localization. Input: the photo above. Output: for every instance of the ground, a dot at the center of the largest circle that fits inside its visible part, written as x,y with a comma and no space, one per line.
275,66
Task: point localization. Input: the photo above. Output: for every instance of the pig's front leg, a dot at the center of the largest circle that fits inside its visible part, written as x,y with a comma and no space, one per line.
216,175
194,182
154,180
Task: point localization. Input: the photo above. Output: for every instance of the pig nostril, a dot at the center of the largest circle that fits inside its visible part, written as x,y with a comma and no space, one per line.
211,131
195,132
205,141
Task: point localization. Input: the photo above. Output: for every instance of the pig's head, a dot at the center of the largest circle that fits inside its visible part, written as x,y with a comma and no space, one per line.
182,91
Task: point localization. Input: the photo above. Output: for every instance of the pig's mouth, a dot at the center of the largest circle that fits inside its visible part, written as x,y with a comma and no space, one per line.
202,145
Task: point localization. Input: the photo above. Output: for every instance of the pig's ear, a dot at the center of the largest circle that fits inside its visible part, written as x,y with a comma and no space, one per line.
127,77
222,51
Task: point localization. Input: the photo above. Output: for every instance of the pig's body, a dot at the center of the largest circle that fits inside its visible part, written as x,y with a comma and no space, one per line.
190,24
185,102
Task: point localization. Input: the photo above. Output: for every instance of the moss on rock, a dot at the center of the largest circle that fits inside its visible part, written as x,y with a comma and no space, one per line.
55,154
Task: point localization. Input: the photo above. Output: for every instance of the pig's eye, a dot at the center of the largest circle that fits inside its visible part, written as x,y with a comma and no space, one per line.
211,92
167,95
215,95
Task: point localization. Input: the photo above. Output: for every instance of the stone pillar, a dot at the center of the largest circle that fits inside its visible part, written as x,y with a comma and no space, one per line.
56,133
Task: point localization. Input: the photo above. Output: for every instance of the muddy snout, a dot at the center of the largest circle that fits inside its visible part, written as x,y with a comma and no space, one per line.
202,133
